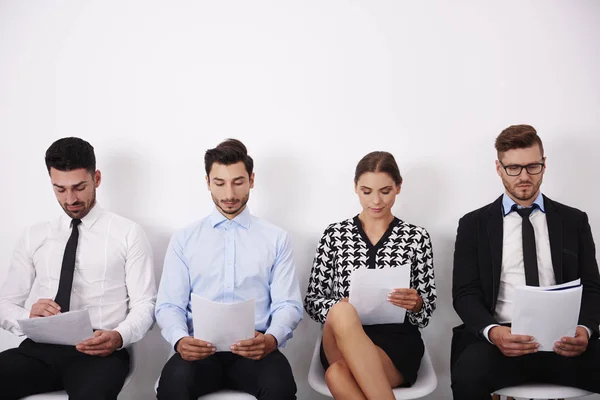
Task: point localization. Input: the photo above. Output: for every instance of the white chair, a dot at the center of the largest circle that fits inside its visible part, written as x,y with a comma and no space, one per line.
425,384
541,391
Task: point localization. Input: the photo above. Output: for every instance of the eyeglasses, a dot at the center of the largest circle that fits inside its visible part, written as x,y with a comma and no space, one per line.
515,170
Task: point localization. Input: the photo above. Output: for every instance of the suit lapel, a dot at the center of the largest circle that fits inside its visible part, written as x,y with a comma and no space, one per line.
495,231
555,233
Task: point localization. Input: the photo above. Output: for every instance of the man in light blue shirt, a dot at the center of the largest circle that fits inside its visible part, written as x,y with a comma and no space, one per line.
229,256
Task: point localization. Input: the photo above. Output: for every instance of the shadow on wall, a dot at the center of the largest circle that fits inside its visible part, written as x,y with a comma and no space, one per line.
280,197
419,204
418,201
572,167
122,184
124,191
278,180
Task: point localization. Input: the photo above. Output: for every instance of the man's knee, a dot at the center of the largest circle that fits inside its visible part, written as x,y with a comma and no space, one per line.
176,378
277,380
22,375
98,378
280,387
473,371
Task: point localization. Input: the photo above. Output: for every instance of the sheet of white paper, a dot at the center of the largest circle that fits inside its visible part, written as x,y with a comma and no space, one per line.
576,282
67,328
369,289
222,324
546,314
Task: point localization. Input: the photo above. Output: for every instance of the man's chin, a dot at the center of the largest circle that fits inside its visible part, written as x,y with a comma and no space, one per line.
76,214
524,196
230,211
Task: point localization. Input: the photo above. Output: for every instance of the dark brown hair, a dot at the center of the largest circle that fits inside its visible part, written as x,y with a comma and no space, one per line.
378,161
228,152
518,137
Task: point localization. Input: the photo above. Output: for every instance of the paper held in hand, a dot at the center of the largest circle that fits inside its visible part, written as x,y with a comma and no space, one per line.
547,313
222,324
68,328
369,289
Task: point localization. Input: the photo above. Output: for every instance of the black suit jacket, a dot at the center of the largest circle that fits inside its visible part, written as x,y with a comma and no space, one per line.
478,260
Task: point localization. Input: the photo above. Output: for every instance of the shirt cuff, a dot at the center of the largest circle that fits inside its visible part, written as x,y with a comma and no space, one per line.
125,336
278,333
174,334
589,331
486,332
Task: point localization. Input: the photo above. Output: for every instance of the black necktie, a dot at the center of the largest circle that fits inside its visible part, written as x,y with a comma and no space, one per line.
529,252
63,296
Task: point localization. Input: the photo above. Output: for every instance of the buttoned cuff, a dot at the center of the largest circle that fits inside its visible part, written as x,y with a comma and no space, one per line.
589,331
125,336
279,335
486,332
174,335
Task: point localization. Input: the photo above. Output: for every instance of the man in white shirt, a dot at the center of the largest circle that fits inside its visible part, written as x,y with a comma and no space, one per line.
88,259
521,238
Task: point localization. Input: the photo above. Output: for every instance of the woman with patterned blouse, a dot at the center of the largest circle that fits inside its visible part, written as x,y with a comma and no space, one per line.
367,361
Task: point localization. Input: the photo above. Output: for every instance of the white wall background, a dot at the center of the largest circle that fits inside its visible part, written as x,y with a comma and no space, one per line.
310,87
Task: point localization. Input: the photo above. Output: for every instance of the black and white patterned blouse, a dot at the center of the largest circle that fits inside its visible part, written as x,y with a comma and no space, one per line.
345,247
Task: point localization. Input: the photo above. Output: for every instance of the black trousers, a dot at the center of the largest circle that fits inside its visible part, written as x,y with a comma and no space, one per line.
481,368
268,379
34,368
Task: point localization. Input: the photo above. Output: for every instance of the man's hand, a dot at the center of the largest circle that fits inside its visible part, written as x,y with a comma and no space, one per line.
192,349
256,348
44,308
406,298
512,345
103,344
572,346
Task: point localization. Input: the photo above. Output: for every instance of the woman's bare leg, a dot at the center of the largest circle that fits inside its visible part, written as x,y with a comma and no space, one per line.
344,339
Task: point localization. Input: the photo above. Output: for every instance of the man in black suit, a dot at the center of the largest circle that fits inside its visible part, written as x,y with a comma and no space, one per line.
521,238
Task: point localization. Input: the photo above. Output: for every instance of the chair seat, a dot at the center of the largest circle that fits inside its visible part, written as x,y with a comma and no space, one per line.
227,395
60,395
425,384
542,391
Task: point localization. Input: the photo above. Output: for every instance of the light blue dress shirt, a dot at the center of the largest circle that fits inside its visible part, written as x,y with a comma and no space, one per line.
229,261
508,202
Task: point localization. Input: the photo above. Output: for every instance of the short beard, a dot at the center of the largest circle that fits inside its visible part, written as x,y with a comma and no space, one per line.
243,203
82,213
535,189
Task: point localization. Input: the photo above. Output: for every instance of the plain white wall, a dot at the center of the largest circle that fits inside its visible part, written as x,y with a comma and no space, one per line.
310,87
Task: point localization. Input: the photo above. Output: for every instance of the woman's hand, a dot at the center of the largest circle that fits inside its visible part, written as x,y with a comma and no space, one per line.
406,298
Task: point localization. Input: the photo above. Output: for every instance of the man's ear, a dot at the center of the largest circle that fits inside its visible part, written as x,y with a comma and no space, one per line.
97,178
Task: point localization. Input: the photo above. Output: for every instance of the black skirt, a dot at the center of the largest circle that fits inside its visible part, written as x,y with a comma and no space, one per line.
401,342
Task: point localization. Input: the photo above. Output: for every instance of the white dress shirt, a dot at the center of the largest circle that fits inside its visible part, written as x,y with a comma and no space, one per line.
513,269
113,278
